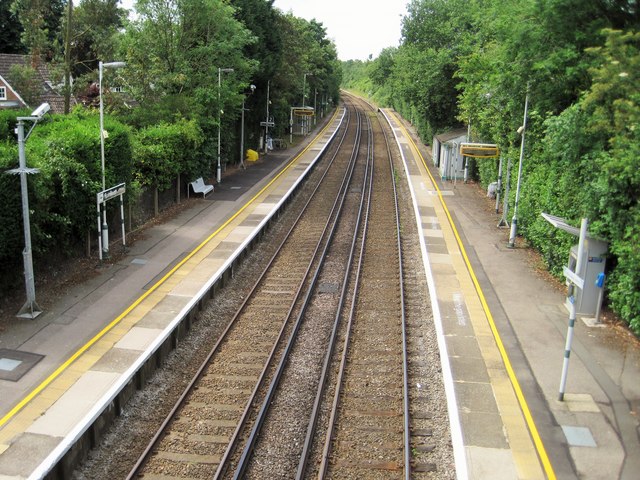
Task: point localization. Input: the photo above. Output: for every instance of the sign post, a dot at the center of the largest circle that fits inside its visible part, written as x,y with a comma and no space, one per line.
101,200
574,281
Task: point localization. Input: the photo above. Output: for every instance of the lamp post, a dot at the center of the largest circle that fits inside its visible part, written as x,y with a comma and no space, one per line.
521,131
253,89
219,169
315,107
105,227
30,309
304,85
304,94
266,121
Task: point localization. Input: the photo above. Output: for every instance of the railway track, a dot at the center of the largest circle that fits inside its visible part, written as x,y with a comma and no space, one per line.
194,439
316,374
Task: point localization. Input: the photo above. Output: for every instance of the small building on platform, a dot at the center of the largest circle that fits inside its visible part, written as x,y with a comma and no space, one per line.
446,154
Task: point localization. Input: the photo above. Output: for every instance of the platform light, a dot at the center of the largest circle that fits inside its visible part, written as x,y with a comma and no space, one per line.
219,169
104,230
30,309
522,131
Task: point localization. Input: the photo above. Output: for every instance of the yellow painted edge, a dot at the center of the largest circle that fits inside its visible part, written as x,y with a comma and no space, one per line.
20,405
542,453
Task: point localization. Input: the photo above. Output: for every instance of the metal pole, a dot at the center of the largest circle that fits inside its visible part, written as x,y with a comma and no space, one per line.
567,347
266,123
291,126
465,175
219,171
101,125
99,231
304,84
572,310
505,204
514,220
124,235
105,226
499,185
242,136
30,309
315,108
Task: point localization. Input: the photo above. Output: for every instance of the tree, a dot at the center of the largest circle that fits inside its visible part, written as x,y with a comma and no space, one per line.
40,21
94,34
27,81
10,29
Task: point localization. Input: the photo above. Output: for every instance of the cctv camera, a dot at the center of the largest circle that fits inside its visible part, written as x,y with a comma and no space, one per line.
521,129
41,110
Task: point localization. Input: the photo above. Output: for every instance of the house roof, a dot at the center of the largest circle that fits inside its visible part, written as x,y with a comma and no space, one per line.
49,94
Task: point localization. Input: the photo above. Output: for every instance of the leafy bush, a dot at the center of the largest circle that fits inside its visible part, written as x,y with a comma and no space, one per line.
163,151
11,235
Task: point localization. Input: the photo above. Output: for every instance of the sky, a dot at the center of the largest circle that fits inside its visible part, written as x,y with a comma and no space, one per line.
359,28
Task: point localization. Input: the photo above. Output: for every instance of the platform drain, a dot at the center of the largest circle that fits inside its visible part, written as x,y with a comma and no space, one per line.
15,363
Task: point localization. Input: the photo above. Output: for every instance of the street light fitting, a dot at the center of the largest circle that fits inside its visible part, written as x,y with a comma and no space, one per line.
41,110
520,129
226,69
113,64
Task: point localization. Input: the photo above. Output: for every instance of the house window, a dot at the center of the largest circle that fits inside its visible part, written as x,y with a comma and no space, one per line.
3,93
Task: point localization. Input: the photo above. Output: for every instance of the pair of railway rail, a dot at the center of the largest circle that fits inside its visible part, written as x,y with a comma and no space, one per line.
312,373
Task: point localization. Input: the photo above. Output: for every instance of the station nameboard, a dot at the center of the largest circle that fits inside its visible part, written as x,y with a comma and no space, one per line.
304,111
111,192
479,150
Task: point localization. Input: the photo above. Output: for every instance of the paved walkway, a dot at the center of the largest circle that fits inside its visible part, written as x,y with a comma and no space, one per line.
594,432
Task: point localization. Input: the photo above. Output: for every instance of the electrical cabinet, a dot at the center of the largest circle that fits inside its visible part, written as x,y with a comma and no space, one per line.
593,263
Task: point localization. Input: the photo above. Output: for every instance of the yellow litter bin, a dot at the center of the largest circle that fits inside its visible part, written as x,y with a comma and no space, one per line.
252,155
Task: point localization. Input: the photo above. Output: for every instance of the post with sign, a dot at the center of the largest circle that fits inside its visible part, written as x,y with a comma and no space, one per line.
574,281
101,204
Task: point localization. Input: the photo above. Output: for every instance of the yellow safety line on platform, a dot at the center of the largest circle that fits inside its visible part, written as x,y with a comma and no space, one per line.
140,299
544,458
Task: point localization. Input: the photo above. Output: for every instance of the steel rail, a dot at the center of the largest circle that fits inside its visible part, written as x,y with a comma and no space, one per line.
243,463
406,411
160,433
364,207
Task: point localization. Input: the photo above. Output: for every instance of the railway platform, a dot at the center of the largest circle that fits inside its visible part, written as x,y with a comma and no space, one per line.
502,327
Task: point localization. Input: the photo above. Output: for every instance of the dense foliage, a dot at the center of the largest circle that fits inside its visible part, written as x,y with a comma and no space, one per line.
191,65
464,62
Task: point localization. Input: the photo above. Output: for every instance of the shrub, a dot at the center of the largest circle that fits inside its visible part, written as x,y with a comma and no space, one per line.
163,151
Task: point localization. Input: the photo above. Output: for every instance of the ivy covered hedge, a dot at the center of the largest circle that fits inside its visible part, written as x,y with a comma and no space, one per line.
62,196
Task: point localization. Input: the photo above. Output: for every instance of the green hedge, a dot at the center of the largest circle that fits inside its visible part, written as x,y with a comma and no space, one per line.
62,196
11,234
163,151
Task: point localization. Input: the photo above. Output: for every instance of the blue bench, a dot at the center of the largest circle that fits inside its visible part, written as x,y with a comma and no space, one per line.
199,186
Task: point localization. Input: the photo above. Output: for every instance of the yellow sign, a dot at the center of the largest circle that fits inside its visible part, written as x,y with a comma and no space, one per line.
479,150
304,112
